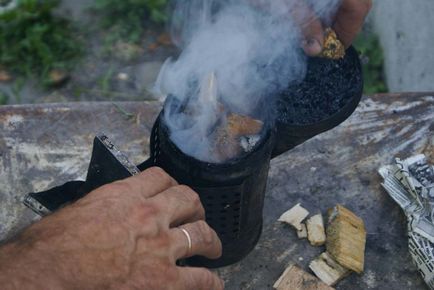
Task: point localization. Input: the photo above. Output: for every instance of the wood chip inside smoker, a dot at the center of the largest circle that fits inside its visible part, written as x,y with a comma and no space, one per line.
315,230
239,125
346,238
328,270
238,133
333,47
294,278
227,146
294,217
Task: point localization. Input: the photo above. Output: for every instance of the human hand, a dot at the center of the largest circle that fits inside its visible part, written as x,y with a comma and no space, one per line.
125,235
347,24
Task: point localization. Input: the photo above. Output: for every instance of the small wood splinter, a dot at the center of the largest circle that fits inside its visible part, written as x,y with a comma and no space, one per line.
294,278
294,217
316,231
328,270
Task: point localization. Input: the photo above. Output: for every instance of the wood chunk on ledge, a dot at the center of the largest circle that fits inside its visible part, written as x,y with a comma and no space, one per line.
302,234
315,230
294,278
328,270
294,217
346,238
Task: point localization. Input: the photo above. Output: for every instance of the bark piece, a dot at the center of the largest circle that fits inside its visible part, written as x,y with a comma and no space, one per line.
328,270
239,125
302,234
346,238
315,230
333,47
294,216
294,278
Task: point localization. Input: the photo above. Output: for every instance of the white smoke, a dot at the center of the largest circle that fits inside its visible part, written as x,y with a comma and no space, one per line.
253,49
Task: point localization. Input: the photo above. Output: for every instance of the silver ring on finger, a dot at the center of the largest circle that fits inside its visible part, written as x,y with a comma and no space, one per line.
187,235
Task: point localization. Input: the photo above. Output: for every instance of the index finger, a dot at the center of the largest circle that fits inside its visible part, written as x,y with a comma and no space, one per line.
146,184
311,28
152,181
304,17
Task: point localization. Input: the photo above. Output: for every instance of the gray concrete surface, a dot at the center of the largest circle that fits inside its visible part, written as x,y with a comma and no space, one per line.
406,31
45,145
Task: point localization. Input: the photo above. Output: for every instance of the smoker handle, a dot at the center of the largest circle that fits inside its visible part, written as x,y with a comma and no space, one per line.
146,165
107,165
45,202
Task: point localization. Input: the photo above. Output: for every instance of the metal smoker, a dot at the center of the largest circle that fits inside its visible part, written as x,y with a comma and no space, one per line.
233,192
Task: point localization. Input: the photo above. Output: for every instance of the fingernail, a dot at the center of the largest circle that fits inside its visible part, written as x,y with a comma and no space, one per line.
312,46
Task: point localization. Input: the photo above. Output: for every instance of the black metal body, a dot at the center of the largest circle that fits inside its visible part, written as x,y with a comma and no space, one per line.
323,85
233,193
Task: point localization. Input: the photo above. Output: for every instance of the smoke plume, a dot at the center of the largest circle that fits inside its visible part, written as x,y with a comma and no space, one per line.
237,54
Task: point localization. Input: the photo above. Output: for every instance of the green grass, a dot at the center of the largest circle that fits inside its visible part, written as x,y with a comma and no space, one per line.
126,19
372,57
33,41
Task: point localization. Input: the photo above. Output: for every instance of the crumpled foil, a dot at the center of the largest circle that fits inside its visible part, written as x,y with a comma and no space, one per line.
410,183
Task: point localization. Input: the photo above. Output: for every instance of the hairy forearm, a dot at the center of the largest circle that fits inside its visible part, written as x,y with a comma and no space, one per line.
24,264
120,236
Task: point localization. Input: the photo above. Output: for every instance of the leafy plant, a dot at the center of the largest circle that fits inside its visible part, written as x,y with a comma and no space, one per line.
33,41
3,98
372,56
125,19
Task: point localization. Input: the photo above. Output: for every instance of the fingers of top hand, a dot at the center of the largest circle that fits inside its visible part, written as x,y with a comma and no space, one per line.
204,241
347,24
178,205
167,205
171,204
151,182
144,185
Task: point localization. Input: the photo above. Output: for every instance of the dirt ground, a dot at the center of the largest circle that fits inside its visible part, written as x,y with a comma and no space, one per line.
126,74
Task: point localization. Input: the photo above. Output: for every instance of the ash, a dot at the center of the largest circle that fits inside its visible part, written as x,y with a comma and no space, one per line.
249,142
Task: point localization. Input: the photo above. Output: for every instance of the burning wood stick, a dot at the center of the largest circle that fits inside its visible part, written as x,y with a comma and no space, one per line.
333,47
295,278
225,129
346,238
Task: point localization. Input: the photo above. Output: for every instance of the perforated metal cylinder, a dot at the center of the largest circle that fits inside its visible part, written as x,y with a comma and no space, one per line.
232,193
